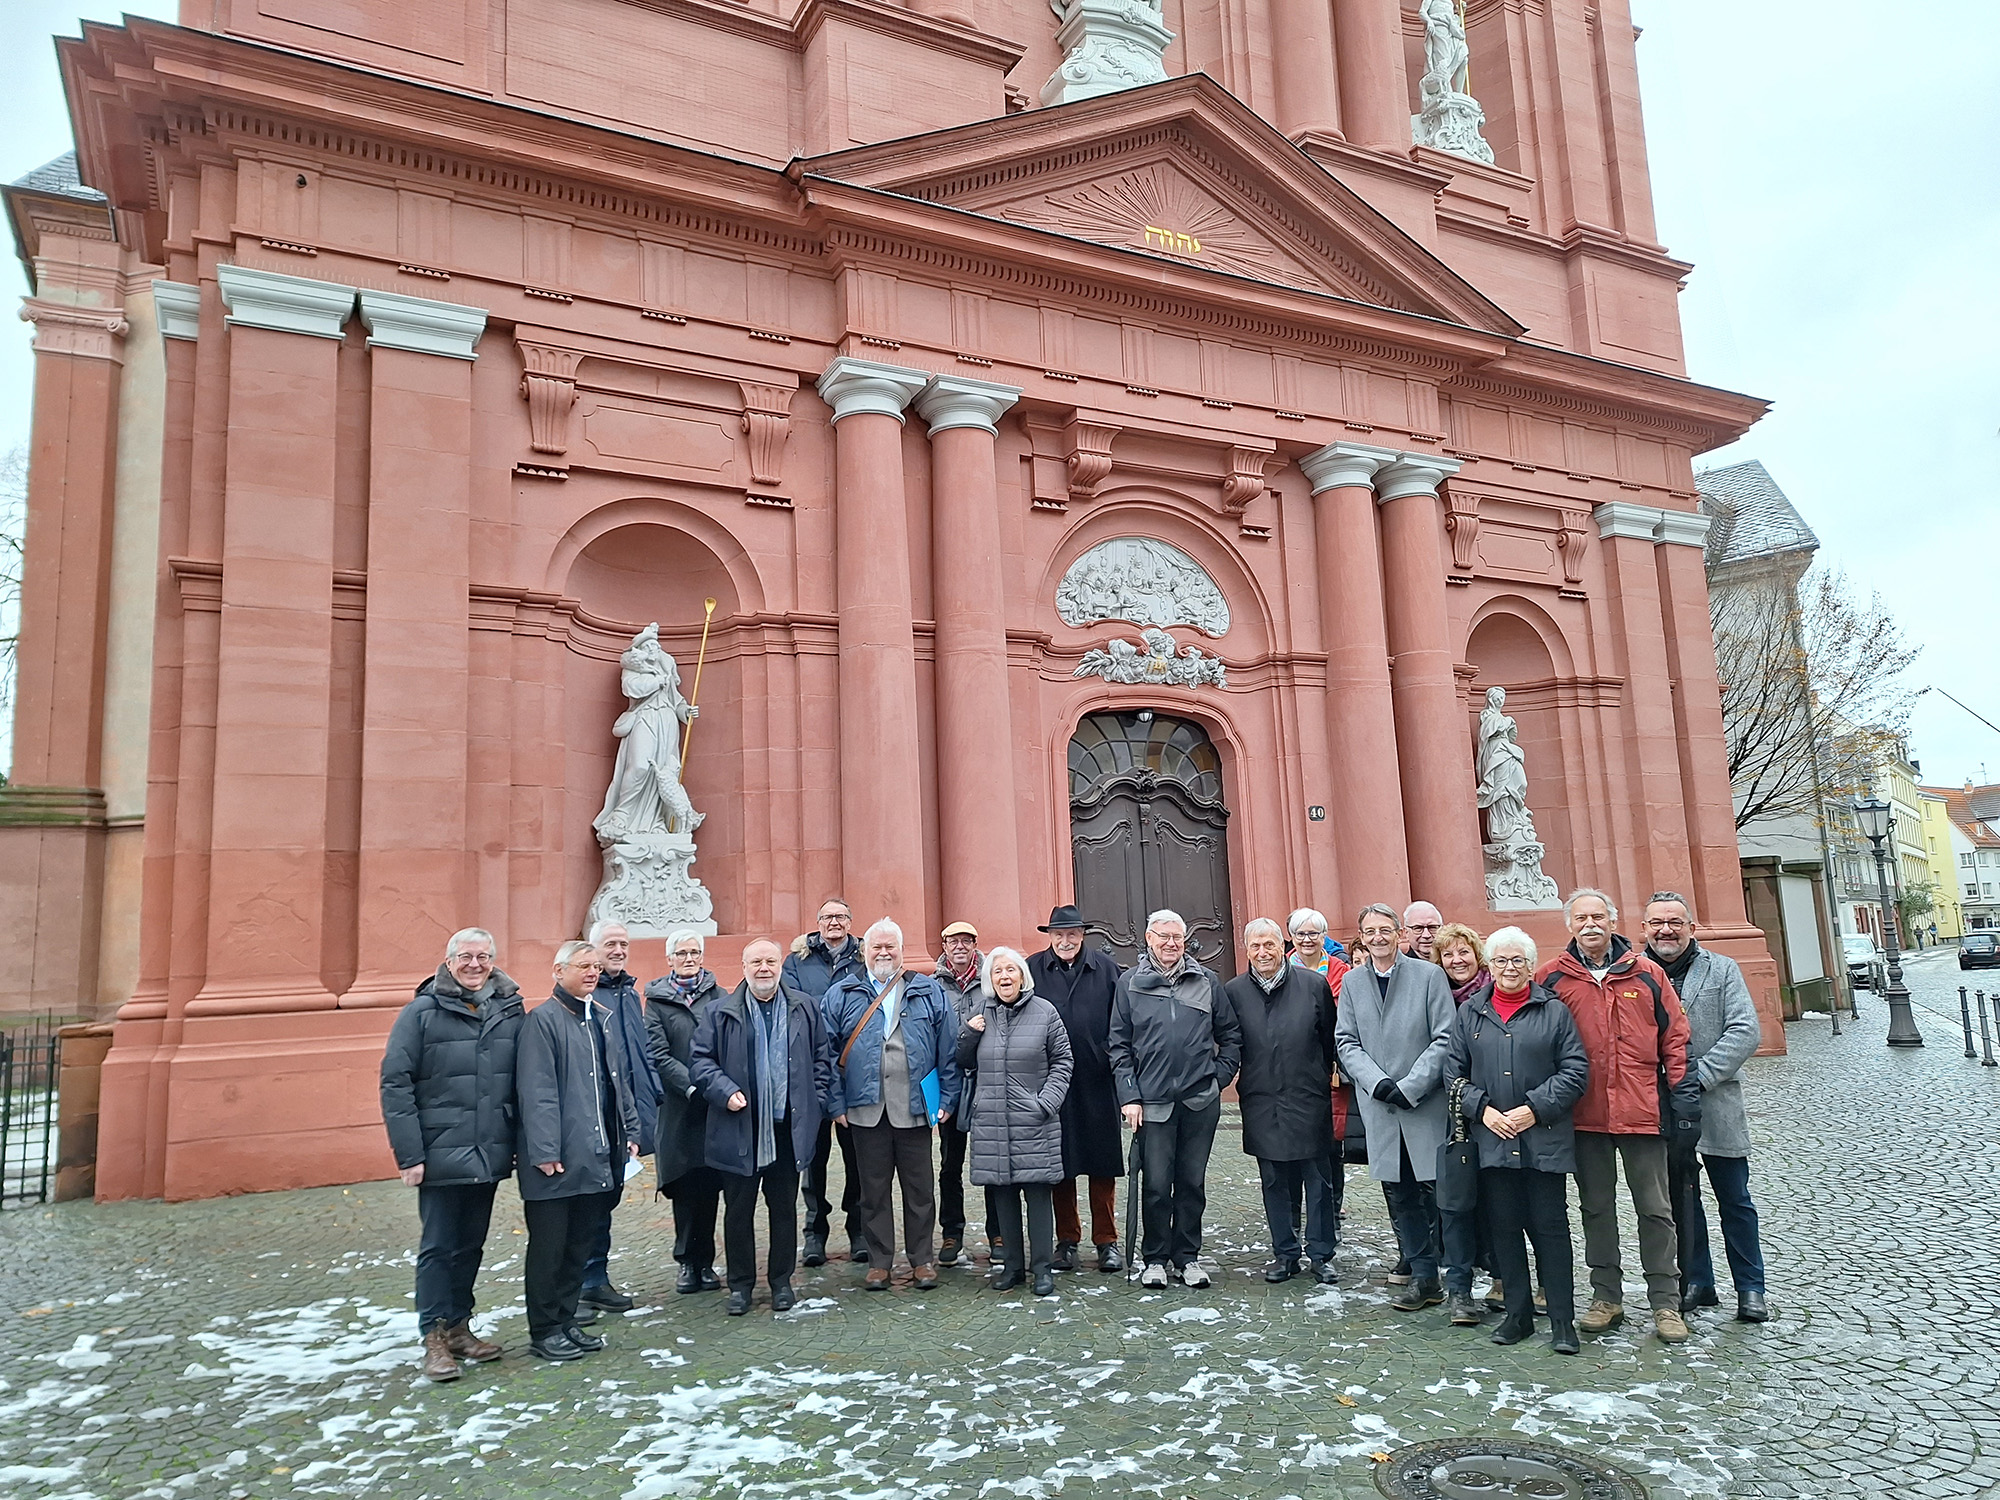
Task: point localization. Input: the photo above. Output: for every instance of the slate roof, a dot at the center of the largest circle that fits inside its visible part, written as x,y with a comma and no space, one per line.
58,178
1753,518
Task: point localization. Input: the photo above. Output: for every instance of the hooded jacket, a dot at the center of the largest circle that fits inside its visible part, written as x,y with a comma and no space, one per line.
448,1081
1636,1033
815,970
671,1019
1173,1040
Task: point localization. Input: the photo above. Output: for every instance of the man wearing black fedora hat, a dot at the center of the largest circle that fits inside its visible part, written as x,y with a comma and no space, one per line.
1078,980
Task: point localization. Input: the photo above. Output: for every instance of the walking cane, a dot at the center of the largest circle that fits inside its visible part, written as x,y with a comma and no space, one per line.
1134,1170
687,733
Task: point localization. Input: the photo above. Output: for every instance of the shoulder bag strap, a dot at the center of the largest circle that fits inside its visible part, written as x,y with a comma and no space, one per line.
861,1026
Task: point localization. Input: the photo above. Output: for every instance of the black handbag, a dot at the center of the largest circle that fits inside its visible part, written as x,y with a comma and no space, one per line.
1458,1160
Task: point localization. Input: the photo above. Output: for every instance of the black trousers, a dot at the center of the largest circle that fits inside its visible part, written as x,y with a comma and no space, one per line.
454,1220
819,1211
1517,1201
696,1196
1006,1202
888,1156
561,1232
1175,1152
779,1184
951,1180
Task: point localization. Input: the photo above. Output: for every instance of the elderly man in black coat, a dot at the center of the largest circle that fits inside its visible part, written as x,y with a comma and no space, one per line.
1287,1018
1078,981
448,1102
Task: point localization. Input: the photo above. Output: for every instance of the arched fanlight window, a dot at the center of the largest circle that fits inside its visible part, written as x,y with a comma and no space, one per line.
1108,745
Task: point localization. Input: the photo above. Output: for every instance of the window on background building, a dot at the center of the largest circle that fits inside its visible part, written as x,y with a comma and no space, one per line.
1965,858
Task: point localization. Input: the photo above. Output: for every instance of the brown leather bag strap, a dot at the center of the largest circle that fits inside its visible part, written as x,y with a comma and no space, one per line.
862,1025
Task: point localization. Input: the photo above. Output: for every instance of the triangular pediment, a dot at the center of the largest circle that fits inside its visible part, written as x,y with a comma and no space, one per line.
1180,171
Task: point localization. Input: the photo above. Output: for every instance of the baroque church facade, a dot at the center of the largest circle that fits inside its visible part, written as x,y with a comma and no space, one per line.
1108,490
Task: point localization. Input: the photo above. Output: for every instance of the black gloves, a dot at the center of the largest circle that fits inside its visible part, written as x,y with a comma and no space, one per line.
1384,1087
1387,1092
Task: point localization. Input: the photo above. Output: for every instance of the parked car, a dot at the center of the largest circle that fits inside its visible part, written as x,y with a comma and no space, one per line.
1865,969
1979,950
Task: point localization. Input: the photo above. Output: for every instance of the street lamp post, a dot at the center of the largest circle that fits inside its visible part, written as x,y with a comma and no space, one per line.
1873,813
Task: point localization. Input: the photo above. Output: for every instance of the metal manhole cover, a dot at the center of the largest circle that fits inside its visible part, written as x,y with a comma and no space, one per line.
1499,1468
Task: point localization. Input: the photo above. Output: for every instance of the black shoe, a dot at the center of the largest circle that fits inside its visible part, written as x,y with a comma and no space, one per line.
1065,1257
1324,1273
1464,1311
1045,1283
710,1282
1109,1258
815,1253
739,1304
1418,1295
1277,1270
783,1298
1750,1308
590,1343
1006,1279
607,1297
554,1346
949,1250
1511,1331
1702,1294
857,1251
1562,1337
688,1281
585,1316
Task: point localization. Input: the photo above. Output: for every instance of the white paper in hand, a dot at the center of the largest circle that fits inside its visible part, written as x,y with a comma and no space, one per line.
633,1167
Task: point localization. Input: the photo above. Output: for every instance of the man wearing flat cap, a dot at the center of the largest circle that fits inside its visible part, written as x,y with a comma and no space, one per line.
1078,981
958,968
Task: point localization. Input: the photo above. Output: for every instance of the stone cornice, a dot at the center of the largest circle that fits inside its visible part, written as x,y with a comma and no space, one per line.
1684,528
953,401
420,325
1619,520
178,309
909,27
79,330
285,304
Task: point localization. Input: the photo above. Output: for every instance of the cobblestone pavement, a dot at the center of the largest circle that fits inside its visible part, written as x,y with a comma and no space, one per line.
264,1346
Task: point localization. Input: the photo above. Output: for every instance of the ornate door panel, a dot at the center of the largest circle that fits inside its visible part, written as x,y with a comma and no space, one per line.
1110,880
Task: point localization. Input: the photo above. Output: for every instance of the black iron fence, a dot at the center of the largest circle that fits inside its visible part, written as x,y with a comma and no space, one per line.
30,1067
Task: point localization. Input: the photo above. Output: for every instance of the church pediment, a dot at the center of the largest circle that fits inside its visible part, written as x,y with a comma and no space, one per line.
1184,172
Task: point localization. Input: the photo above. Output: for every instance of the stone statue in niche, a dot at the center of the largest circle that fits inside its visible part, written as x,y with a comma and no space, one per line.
647,826
1144,582
1450,118
1514,878
1154,663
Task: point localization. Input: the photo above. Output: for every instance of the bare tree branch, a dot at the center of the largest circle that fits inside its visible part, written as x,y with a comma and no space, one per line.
13,536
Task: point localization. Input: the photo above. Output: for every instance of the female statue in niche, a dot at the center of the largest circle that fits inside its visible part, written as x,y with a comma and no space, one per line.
1503,774
645,796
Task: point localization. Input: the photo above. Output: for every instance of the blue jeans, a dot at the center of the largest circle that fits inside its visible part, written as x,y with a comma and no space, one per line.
1285,1183
1729,1176
1413,1211
597,1267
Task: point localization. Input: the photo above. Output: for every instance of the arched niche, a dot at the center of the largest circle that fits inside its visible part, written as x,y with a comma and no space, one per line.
1514,645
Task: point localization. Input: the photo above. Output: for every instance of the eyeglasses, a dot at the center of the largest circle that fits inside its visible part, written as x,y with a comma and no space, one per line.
1425,926
472,958
1511,961
1665,924
835,919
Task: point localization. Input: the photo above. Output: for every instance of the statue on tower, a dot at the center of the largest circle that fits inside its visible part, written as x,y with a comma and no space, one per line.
1451,118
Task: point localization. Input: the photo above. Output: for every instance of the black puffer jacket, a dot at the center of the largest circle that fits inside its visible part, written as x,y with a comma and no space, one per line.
448,1081
1536,1059
671,1019
1022,1066
1286,1085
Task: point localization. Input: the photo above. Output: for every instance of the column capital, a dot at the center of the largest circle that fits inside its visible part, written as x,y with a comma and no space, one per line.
1684,528
421,325
950,401
177,306
1340,465
76,328
1415,474
284,304
854,386
1618,519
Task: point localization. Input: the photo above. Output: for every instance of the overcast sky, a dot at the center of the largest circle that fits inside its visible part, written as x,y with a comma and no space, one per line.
1828,167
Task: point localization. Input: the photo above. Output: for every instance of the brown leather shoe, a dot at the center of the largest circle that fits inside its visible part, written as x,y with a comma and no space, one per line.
1601,1316
438,1363
1669,1326
924,1278
877,1280
465,1344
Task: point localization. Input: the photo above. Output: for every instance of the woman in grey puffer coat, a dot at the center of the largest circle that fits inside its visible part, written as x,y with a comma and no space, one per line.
1014,1051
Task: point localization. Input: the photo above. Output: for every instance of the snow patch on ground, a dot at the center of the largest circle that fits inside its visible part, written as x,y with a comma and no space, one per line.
1193,1315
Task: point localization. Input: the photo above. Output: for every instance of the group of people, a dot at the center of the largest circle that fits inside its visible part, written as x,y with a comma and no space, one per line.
1468,1064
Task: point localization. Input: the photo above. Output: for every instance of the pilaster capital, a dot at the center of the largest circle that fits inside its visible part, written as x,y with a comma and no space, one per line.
1618,519
950,401
1341,465
177,307
1684,528
77,329
856,386
1415,474
421,325
284,304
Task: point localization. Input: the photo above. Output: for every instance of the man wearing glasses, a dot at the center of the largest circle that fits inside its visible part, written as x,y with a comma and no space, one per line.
1723,1034
1418,937
816,963
448,1102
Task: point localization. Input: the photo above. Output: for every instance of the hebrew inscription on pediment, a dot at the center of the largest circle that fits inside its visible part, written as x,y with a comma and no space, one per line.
1156,209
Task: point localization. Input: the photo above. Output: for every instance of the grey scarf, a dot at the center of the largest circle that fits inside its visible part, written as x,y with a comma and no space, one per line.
770,1025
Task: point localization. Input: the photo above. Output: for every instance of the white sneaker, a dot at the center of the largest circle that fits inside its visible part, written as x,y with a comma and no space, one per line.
1154,1275
1193,1275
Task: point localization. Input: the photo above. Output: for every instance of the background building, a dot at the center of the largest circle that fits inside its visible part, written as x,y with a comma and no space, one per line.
1940,852
1974,816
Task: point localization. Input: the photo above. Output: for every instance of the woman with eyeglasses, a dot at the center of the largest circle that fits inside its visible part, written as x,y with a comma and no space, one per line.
1522,1061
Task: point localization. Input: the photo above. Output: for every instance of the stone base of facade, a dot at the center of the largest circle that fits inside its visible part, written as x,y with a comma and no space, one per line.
52,842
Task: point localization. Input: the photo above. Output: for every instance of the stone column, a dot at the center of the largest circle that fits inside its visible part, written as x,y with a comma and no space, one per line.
1374,91
1433,740
1302,67
980,874
1367,793
415,875
881,808
267,871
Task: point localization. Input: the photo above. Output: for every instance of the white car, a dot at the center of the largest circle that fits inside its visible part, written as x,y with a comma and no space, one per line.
1864,961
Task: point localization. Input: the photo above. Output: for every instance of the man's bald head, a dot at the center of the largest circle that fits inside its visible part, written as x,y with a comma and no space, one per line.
1421,922
762,959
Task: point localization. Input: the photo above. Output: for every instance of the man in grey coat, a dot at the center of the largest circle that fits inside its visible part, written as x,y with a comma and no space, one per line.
1394,1030
1723,1034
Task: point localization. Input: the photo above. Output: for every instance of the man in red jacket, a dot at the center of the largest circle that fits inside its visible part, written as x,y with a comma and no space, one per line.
1642,1096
